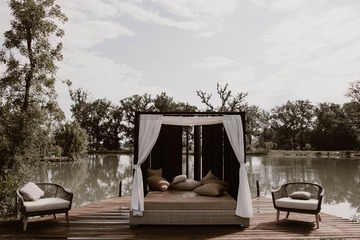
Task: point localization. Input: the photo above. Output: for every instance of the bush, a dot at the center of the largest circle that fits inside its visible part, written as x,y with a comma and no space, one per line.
71,138
307,146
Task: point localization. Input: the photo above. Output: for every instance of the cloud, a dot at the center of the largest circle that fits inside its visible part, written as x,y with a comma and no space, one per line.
89,33
96,9
100,76
217,63
282,5
91,24
307,36
239,79
189,15
193,9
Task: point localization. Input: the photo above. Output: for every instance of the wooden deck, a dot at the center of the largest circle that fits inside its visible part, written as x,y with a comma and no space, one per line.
108,219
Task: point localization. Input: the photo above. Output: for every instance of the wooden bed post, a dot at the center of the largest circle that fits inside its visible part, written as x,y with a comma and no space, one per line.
197,152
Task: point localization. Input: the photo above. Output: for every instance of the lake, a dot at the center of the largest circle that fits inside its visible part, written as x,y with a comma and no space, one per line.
97,177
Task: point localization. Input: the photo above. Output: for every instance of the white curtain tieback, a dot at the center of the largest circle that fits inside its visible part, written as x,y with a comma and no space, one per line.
136,166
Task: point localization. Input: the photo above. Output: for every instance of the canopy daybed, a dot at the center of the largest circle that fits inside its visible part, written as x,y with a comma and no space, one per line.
219,154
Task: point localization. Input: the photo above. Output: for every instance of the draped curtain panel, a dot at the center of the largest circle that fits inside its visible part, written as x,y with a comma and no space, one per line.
149,130
234,130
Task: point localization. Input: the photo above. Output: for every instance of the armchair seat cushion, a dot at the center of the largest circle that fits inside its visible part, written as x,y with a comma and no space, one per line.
46,204
288,202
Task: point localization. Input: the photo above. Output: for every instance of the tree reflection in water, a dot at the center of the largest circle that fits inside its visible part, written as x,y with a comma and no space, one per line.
339,177
93,178
97,177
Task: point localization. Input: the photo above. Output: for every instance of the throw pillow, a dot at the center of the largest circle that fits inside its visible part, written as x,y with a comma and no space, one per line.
209,176
187,185
179,178
300,195
210,189
158,183
217,181
152,172
31,191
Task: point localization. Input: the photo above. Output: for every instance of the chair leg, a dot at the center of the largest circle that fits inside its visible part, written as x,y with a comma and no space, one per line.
317,217
25,223
287,215
54,216
277,216
67,217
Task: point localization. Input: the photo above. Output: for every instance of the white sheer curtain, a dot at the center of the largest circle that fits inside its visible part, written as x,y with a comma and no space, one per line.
149,130
234,130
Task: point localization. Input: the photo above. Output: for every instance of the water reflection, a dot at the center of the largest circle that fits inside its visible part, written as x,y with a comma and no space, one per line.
93,178
97,177
339,177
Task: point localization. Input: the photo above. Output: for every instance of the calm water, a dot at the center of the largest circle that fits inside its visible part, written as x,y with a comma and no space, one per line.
97,177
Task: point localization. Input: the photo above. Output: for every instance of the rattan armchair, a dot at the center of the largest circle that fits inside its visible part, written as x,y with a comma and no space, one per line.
54,200
284,200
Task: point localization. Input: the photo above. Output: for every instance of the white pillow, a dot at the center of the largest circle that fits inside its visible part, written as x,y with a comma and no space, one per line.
31,191
179,178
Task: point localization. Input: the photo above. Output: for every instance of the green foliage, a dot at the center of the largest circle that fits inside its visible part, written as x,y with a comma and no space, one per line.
8,183
101,119
28,106
71,138
107,124
292,123
332,130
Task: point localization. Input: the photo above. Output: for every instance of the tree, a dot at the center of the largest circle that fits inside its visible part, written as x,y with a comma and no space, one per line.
252,120
164,103
29,109
129,106
291,124
229,103
79,107
32,76
332,130
354,91
264,130
71,138
352,109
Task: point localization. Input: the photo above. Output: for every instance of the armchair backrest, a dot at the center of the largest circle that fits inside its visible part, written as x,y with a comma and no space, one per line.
314,189
51,190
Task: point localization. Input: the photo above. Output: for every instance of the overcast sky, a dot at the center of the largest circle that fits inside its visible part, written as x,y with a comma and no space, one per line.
274,50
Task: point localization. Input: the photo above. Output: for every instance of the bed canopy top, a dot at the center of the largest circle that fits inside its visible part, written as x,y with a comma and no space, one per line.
148,126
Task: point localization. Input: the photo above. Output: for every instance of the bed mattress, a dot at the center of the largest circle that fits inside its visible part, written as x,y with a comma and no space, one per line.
187,200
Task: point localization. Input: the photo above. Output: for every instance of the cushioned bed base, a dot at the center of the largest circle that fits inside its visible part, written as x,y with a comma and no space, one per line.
189,217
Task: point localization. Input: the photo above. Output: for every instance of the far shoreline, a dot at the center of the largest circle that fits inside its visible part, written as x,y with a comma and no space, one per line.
353,154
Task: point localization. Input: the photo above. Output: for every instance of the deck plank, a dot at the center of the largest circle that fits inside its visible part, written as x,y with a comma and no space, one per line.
109,219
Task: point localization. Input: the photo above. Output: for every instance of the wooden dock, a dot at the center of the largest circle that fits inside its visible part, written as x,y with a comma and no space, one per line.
108,219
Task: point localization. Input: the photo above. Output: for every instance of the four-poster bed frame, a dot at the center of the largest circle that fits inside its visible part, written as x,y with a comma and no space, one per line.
218,146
